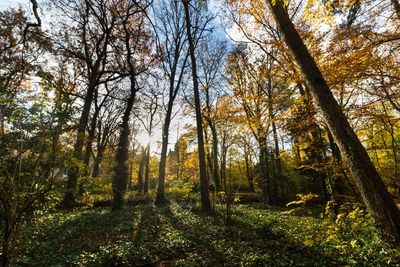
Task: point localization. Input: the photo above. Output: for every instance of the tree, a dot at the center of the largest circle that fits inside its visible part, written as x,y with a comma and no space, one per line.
149,103
248,81
106,128
370,185
138,59
204,184
211,59
31,155
92,26
169,27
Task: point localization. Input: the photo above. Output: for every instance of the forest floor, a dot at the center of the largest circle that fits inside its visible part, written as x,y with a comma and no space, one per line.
178,234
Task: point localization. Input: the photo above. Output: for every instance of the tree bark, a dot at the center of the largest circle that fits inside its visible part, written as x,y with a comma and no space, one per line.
372,189
267,183
121,173
160,196
147,171
204,190
97,161
140,172
73,173
215,157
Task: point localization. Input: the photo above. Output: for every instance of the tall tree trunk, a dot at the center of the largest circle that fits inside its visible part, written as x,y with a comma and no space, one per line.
204,190
160,196
207,151
248,172
147,170
267,185
121,173
224,151
140,171
97,161
89,141
223,165
276,171
7,234
73,173
372,189
215,157
277,159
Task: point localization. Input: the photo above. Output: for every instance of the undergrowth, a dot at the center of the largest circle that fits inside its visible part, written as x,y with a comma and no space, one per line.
180,235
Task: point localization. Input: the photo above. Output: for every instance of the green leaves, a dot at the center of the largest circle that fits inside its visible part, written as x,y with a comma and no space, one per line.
177,235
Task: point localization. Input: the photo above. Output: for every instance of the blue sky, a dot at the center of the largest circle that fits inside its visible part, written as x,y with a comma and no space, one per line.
178,122
4,4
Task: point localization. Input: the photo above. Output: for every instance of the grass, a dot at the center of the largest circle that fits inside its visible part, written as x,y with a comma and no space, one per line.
180,235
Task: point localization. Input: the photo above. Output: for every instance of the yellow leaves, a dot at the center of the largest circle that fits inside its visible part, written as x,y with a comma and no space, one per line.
354,214
303,199
308,243
353,243
332,234
317,15
340,217
257,9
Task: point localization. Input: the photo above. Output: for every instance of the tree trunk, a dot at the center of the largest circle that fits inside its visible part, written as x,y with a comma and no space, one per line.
277,159
372,189
7,233
160,196
204,190
147,171
121,173
140,172
223,164
73,173
208,154
248,172
89,141
215,157
267,186
97,161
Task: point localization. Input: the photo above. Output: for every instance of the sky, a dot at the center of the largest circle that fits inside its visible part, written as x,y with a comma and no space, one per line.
179,120
4,4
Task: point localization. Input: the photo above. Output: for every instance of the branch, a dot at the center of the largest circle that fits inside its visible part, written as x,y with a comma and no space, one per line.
35,7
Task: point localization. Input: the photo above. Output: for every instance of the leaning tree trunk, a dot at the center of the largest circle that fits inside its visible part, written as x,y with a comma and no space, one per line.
372,189
204,189
121,173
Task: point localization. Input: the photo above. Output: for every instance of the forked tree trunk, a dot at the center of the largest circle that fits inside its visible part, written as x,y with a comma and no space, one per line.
204,190
370,185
